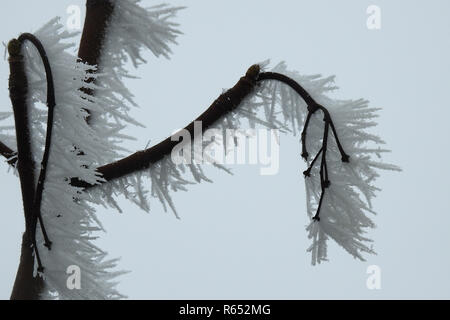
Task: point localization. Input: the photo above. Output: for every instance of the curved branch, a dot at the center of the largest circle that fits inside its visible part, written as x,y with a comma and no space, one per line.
26,286
51,103
141,160
311,103
226,102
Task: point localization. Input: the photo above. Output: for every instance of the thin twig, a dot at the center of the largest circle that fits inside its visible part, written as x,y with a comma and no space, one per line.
307,172
51,103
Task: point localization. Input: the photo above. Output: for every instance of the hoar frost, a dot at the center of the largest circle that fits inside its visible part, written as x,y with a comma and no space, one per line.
69,213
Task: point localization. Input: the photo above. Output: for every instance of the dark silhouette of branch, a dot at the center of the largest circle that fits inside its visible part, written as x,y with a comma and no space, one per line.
313,107
98,15
25,286
226,103
141,160
51,103
8,153
307,173
21,115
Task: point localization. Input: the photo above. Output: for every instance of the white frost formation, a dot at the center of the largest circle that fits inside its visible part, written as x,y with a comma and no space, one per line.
347,203
68,212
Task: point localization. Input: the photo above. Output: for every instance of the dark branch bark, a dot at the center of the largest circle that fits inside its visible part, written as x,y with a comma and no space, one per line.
98,15
291,83
51,103
18,89
226,103
25,286
221,106
141,160
8,153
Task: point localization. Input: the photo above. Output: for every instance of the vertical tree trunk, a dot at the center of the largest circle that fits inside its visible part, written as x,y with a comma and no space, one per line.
27,287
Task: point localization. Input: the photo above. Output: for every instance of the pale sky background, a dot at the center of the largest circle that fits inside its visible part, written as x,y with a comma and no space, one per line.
244,236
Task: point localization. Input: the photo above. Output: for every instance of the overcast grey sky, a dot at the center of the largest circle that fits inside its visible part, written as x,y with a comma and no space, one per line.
244,236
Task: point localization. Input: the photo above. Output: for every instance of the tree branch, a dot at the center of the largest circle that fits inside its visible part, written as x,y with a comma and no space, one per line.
25,286
98,15
51,103
8,153
226,103
18,90
141,160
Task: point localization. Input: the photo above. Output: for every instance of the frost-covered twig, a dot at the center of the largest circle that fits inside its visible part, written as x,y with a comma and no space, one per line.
343,211
226,103
51,103
312,107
